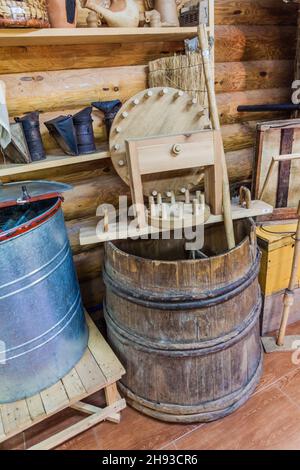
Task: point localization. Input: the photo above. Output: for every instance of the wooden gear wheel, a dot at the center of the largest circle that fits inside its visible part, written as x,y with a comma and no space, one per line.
157,112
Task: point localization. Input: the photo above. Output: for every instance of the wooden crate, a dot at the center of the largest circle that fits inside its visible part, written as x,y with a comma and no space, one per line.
277,246
99,369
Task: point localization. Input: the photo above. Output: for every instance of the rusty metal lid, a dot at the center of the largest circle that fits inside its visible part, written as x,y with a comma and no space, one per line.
25,192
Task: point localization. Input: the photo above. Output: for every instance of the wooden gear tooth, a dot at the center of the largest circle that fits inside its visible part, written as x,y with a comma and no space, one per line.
195,207
148,94
187,196
164,91
179,94
164,211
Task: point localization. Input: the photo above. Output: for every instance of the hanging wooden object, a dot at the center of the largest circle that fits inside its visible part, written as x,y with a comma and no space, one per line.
157,112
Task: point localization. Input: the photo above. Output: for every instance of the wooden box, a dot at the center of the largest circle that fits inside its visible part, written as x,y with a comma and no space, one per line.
277,246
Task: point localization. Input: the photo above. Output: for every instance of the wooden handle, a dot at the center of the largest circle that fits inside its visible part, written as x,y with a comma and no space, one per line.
203,41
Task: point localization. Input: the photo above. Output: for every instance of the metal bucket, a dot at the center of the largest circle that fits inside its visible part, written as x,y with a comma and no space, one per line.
43,333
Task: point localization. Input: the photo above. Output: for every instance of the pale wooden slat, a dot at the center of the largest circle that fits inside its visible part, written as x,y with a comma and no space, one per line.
105,357
50,162
54,398
80,427
73,385
15,416
89,372
91,409
35,407
56,36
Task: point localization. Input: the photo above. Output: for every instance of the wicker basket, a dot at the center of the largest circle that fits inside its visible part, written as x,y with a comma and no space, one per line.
189,16
23,14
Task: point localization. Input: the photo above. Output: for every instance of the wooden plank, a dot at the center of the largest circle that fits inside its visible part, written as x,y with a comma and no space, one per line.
111,394
90,235
91,409
105,357
61,36
50,162
90,373
15,416
157,156
73,385
286,147
80,427
35,407
54,398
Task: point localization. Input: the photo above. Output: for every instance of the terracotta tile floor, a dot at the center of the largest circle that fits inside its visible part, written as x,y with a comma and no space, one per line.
269,420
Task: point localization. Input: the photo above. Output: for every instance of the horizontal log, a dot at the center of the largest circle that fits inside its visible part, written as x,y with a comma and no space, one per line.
92,292
253,75
254,12
34,59
239,136
89,263
243,43
78,88
233,44
228,103
73,229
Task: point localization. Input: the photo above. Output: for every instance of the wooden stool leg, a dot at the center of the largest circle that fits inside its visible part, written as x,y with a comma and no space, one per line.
112,395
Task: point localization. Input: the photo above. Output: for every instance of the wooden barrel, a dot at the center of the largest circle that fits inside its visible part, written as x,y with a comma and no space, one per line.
187,331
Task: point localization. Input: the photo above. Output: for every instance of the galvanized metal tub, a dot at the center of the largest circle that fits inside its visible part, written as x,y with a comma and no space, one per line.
43,333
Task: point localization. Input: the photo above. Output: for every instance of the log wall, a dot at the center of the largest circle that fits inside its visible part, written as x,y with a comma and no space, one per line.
255,49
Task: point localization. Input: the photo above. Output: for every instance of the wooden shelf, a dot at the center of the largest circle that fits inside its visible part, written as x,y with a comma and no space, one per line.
61,36
93,233
52,161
